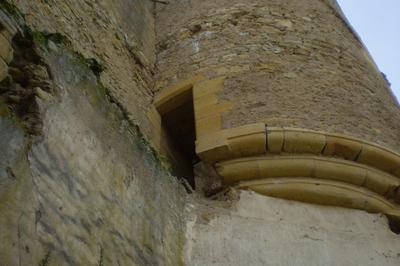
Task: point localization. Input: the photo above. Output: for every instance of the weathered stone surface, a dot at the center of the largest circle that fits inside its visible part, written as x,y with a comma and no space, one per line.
258,230
15,194
287,64
80,185
118,34
88,190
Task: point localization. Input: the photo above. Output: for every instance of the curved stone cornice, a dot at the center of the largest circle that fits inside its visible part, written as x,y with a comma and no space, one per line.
323,192
351,170
292,140
257,139
318,167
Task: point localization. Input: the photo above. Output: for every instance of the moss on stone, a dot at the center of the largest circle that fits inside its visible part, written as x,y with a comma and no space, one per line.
46,259
42,39
101,95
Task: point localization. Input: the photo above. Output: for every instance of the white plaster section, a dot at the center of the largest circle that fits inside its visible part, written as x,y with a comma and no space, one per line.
259,230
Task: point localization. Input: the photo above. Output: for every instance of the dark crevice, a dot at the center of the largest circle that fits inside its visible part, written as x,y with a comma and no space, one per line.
181,136
394,224
358,155
28,75
324,148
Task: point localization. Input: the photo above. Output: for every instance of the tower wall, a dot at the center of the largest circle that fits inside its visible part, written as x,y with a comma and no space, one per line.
286,103
287,100
285,63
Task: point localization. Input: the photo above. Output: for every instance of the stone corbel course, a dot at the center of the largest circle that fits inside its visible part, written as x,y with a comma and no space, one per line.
273,140
309,166
232,143
323,192
290,140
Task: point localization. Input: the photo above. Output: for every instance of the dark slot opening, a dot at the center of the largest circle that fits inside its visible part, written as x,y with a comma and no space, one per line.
394,224
179,126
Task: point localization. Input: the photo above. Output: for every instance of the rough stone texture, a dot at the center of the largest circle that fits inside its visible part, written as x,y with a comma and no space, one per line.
79,185
288,63
258,230
118,34
86,190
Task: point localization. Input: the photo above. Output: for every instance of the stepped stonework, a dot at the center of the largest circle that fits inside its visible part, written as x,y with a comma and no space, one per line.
194,132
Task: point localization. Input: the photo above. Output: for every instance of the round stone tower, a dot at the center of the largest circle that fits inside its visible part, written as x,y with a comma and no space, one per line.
287,101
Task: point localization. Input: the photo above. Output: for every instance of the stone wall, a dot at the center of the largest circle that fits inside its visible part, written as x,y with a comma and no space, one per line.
118,34
79,183
257,230
286,63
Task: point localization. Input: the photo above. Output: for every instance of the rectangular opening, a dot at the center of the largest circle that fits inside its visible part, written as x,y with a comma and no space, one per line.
178,124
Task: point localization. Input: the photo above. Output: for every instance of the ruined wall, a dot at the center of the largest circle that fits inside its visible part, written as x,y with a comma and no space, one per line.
287,63
79,183
257,230
118,34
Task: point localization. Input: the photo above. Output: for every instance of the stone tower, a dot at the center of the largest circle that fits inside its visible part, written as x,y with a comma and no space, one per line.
194,132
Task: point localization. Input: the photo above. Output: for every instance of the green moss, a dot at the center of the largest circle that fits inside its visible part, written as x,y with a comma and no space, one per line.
101,95
45,261
39,38
42,38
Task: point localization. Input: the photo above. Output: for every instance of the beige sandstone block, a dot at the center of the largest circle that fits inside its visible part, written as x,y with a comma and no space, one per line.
248,140
339,170
213,147
381,182
238,170
285,167
342,147
303,142
205,110
380,158
201,104
207,87
208,125
275,138
246,130
247,145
